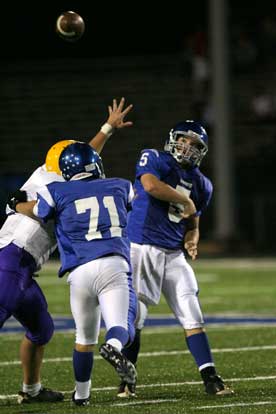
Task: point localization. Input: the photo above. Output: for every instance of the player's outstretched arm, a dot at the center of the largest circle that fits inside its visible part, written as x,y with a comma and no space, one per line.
115,120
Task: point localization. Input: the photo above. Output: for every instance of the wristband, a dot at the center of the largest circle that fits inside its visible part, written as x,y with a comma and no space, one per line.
107,129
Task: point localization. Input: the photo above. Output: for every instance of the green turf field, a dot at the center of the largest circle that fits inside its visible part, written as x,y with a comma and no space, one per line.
168,379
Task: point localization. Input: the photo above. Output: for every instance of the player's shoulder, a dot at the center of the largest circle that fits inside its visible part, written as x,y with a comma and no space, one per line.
39,178
205,181
151,151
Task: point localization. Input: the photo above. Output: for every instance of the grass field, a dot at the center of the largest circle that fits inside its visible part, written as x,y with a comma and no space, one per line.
169,382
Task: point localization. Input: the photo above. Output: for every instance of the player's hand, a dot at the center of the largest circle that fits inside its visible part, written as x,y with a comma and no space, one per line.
117,114
189,209
191,248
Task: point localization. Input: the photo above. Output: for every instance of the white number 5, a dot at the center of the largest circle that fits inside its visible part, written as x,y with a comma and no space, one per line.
144,159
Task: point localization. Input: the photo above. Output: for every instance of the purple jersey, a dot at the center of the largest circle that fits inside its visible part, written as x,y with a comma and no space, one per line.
90,218
157,222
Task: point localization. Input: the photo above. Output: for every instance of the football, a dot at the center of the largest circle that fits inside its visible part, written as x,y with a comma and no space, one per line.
70,26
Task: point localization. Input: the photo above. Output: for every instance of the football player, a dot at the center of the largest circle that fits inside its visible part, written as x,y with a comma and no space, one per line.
159,237
25,244
90,214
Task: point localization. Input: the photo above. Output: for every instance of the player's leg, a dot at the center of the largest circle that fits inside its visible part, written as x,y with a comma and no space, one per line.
118,304
147,271
131,351
34,316
181,292
86,313
28,305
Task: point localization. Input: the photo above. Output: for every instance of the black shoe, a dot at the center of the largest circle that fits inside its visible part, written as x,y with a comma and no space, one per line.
124,368
214,385
44,395
126,390
80,402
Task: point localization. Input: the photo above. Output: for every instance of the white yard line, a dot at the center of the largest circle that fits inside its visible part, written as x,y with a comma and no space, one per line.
157,354
145,402
170,384
251,404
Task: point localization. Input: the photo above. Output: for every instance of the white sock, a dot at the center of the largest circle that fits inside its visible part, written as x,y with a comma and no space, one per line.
82,390
32,389
116,343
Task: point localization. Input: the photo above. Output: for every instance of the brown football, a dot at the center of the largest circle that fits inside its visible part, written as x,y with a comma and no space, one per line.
70,26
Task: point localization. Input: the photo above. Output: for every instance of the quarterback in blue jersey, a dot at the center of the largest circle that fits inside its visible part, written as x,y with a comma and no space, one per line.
160,234
90,216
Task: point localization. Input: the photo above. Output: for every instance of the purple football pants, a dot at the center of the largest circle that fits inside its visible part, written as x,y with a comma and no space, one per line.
21,296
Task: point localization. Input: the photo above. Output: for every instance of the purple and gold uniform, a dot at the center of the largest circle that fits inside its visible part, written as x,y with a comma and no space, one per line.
25,244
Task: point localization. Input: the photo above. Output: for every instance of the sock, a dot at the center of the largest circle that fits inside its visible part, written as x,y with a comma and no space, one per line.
83,364
119,334
32,389
199,347
82,390
116,343
132,351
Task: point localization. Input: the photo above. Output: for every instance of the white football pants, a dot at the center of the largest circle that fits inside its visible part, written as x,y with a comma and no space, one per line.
99,287
157,270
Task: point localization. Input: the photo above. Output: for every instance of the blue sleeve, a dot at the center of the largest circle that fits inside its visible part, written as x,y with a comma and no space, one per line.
45,206
130,196
206,195
148,163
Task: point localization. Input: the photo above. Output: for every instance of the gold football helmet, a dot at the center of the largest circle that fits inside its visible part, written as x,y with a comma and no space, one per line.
52,157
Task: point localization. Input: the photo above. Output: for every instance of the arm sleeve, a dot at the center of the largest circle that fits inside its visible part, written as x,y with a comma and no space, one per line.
206,196
45,206
148,163
130,197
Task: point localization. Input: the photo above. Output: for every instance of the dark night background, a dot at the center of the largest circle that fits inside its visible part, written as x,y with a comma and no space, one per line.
112,29
51,90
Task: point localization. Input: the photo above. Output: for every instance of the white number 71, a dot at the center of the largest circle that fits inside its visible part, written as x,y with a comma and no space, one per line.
92,204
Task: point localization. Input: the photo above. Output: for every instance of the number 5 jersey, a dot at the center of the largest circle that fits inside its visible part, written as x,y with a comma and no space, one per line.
157,222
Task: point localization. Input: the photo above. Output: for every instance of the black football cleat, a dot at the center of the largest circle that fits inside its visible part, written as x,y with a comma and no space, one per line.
44,395
126,390
214,385
124,368
80,402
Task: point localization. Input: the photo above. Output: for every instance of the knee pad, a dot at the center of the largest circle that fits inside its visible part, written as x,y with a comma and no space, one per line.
44,332
188,312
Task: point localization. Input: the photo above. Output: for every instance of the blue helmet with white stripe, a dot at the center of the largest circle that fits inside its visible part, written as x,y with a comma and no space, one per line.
80,160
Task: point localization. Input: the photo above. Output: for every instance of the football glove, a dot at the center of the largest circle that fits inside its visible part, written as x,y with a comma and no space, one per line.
16,197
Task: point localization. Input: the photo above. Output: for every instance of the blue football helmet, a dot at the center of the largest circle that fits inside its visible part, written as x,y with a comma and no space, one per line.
184,153
80,160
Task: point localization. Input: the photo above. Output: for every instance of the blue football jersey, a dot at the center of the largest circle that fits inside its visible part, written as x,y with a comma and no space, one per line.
157,222
90,218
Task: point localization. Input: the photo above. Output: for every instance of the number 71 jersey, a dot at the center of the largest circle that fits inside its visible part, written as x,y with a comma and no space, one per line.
90,218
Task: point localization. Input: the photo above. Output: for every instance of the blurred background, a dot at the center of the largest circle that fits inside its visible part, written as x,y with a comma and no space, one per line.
213,61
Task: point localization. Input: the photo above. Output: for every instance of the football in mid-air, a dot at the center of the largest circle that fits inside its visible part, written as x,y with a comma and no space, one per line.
70,26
